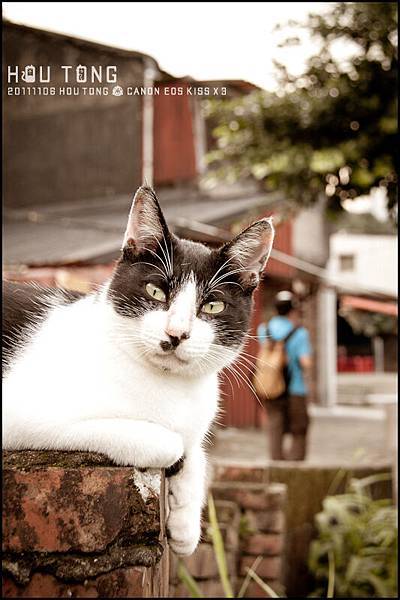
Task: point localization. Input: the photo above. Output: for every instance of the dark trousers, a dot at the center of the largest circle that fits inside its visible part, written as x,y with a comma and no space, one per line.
288,414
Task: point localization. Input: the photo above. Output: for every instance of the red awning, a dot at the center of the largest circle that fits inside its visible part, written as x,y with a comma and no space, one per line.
386,308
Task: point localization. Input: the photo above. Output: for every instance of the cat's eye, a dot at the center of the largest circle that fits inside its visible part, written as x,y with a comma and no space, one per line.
155,292
213,308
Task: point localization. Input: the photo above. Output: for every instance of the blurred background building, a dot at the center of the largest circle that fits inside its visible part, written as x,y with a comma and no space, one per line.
317,152
74,161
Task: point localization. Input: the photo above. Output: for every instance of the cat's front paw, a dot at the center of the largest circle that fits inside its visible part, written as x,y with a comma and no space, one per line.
157,452
168,451
183,530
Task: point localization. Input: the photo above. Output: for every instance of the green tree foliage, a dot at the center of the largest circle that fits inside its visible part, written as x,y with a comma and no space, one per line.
331,130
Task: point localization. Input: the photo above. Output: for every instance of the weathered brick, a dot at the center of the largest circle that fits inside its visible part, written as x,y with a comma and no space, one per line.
228,517
269,567
208,588
133,582
266,521
227,511
248,474
229,534
252,496
267,544
59,509
254,590
173,568
202,564
212,589
75,526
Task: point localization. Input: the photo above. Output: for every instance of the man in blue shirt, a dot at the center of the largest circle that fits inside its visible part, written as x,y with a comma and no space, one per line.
288,413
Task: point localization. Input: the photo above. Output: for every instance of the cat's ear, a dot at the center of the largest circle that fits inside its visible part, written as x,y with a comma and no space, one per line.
146,224
250,250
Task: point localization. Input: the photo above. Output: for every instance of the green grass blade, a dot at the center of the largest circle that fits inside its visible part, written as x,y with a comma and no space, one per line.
336,481
371,479
331,575
247,579
264,586
219,548
189,582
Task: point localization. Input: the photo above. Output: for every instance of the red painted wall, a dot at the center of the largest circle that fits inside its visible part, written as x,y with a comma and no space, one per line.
282,242
240,406
174,150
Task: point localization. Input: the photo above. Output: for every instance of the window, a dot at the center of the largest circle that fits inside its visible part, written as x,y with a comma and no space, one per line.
346,262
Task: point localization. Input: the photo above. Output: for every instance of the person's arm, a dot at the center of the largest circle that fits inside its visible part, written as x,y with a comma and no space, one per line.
305,353
306,362
262,333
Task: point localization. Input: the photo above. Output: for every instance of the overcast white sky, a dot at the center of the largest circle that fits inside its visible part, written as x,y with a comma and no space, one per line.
207,40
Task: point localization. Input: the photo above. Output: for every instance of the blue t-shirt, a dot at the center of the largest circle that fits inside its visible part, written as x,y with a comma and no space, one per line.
298,345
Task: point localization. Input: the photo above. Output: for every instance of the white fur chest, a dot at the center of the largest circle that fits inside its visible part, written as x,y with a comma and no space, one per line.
141,392
77,368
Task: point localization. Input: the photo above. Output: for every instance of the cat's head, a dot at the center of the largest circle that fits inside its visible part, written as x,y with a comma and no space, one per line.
185,308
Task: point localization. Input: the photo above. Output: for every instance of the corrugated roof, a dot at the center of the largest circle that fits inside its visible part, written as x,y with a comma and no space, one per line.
90,231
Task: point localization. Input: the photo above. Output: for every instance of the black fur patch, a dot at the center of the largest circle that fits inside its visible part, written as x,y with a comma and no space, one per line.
175,468
25,305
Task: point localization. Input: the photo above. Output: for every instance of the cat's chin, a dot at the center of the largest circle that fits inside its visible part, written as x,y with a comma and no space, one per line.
169,363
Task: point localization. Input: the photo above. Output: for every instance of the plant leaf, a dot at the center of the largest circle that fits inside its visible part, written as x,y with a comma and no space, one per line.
264,586
246,581
331,575
189,582
219,548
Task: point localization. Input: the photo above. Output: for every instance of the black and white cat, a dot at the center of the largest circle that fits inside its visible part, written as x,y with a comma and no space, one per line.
131,370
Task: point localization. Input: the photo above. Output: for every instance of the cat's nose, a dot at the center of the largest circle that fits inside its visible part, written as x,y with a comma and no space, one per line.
174,341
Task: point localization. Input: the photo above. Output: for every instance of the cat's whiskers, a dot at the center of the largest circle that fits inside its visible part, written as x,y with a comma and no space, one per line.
229,282
242,353
206,360
165,267
255,358
166,254
246,334
138,355
210,283
142,262
222,277
240,378
214,280
170,255
240,364
243,376
120,333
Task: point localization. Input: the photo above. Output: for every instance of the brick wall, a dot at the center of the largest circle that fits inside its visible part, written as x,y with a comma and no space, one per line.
252,522
75,526
202,565
303,488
